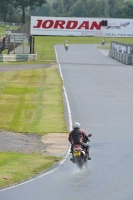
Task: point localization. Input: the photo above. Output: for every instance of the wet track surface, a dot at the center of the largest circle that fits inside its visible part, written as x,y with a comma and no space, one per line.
100,93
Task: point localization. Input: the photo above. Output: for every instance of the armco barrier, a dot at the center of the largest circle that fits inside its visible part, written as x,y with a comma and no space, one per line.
17,57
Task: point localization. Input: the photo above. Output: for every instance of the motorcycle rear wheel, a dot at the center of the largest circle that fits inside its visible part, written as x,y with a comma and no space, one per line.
79,162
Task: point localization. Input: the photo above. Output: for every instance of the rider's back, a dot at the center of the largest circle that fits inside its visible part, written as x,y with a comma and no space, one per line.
76,136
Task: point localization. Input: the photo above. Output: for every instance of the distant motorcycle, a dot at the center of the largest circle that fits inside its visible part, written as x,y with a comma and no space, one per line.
66,48
79,155
103,42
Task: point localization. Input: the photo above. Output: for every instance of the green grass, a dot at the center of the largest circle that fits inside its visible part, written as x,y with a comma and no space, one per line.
17,167
31,101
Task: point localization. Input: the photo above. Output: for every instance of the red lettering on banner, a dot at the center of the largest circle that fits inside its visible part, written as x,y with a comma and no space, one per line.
62,24
39,22
48,24
95,25
59,23
84,25
71,24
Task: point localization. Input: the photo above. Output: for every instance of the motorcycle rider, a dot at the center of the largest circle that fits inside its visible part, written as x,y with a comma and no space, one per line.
66,44
78,136
103,42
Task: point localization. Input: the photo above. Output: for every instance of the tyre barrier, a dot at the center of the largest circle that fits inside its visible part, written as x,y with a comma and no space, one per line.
17,57
112,53
123,58
118,56
115,55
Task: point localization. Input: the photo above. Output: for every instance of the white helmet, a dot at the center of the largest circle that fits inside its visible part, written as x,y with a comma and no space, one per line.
76,125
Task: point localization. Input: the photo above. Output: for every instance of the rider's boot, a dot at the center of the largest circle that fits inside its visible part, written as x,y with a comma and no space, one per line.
89,158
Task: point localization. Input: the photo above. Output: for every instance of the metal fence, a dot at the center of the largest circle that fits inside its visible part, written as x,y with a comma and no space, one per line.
121,52
11,24
21,46
25,28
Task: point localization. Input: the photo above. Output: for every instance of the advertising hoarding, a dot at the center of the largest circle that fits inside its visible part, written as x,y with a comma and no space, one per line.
71,26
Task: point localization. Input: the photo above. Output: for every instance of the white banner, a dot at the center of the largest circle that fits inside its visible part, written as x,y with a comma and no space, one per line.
70,26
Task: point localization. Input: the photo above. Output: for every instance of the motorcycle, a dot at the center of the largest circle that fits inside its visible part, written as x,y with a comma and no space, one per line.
103,42
66,48
79,155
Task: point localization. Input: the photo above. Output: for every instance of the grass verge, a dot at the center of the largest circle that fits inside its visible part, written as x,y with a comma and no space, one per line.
31,101
18,167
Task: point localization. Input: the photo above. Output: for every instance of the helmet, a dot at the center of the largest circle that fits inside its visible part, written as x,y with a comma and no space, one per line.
76,125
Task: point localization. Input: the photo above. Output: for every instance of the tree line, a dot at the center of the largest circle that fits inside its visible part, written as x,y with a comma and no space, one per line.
20,10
